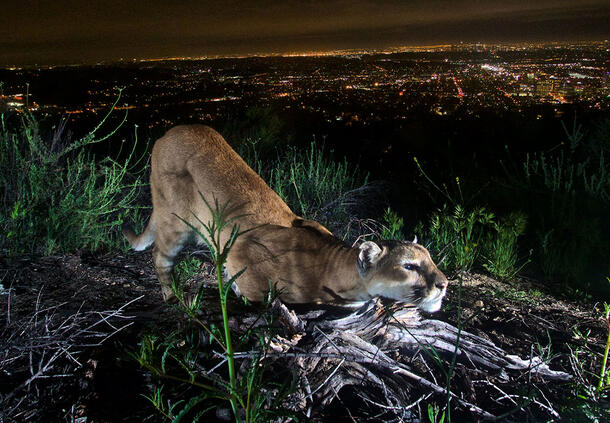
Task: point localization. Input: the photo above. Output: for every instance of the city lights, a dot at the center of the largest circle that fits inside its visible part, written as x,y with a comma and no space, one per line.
442,79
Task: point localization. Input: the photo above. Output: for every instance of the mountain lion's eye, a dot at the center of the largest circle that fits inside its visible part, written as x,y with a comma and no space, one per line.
410,266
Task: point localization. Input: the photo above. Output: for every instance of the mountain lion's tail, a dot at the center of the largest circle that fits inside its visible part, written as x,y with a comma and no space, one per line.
145,239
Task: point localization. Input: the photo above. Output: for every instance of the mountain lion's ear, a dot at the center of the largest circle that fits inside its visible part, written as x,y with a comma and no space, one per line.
369,254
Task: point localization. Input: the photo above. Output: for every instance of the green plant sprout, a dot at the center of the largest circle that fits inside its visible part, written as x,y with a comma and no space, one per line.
181,356
219,253
393,225
500,247
604,375
187,268
434,414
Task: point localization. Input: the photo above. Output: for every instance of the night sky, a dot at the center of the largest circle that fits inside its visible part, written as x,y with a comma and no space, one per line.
68,31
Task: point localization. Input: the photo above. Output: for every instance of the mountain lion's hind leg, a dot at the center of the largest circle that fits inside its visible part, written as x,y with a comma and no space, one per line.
167,247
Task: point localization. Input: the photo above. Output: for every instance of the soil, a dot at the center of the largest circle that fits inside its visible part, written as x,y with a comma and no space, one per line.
101,382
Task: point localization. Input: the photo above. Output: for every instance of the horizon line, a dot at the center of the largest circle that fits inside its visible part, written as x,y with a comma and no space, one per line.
314,53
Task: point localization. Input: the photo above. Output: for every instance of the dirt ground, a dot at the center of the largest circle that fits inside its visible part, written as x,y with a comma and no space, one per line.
98,381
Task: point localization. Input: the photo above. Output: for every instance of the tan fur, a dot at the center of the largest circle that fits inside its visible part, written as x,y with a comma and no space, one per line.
306,266
300,257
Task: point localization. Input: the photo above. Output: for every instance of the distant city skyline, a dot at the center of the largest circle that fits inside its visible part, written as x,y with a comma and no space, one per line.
72,32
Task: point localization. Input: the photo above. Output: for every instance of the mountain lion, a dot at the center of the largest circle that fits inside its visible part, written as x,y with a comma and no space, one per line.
300,257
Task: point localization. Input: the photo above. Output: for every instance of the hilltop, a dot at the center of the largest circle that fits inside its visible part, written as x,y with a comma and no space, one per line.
52,300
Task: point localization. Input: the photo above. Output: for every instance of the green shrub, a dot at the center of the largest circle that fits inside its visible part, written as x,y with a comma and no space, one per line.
499,250
563,201
455,236
461,239
393,225
314,186
54,195
566,194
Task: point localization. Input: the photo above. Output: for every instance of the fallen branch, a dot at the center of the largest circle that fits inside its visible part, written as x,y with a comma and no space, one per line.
384,348
46,344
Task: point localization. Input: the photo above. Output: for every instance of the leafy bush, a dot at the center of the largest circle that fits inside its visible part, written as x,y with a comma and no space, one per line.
54,195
